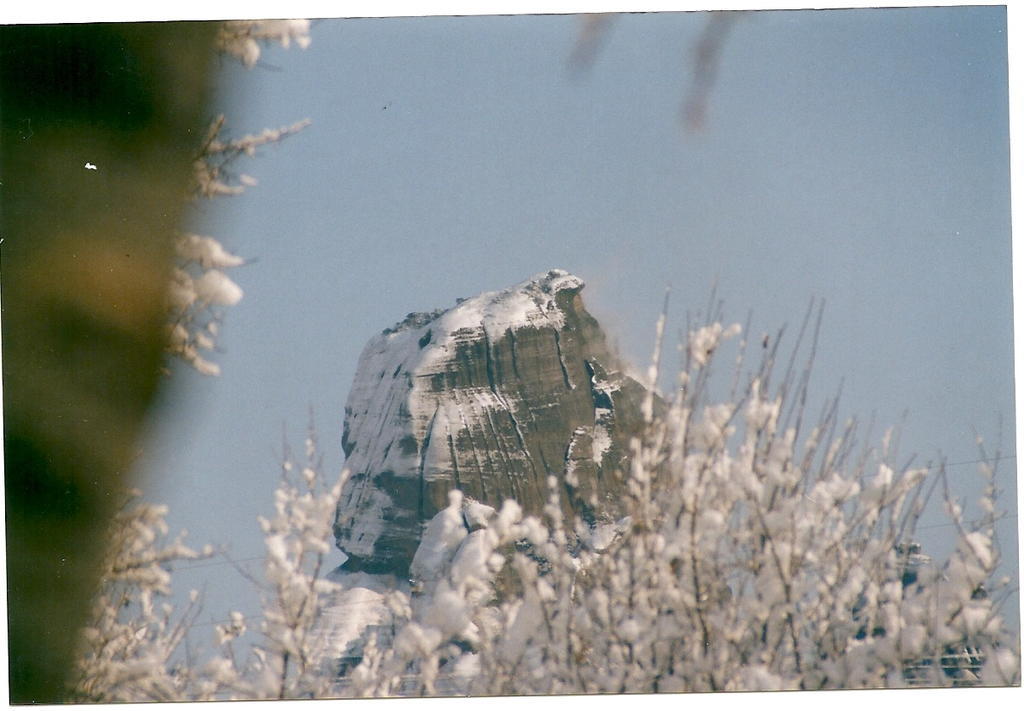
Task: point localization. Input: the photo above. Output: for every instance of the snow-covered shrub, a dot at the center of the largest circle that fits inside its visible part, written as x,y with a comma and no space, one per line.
288,663
130,647
134,646
758,553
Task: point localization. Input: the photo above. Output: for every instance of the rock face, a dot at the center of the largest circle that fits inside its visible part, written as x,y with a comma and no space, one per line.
490,397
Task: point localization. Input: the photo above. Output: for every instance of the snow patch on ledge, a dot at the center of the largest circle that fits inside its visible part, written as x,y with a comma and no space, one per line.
530,302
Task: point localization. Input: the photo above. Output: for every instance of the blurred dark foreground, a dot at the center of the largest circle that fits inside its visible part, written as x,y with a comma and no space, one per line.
100,124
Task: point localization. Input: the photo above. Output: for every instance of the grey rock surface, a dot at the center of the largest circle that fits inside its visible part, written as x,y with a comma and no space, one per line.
490,397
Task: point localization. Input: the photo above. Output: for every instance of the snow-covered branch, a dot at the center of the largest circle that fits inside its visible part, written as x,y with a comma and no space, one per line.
242,39
200,287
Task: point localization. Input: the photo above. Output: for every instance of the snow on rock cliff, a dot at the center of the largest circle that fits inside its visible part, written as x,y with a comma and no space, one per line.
489,397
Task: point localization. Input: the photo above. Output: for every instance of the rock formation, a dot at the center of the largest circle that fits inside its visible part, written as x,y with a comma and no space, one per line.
490,397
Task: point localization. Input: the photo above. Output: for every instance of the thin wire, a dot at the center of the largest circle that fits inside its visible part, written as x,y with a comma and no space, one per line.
977,461
863,476
248,618
953,523
222,562
253,617
1000,458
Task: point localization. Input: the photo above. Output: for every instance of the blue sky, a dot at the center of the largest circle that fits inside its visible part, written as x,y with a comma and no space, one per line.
858,156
